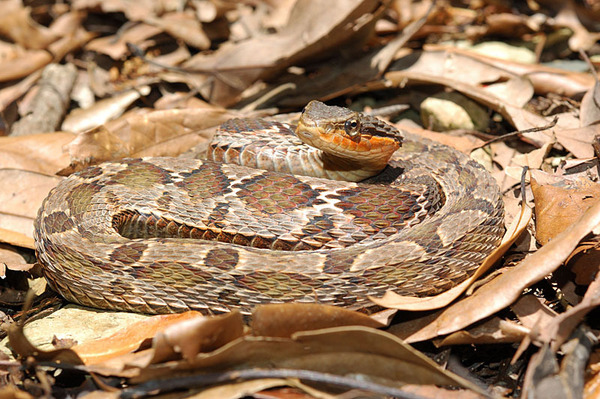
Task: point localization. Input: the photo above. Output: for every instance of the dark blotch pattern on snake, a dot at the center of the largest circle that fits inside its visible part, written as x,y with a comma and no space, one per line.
160,235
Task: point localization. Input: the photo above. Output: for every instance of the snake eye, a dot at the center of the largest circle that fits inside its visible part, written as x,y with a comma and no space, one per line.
352,127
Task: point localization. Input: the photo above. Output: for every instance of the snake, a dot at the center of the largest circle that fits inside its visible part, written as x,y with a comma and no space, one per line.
335,209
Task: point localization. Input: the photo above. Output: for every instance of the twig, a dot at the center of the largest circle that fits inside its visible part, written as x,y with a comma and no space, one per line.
201,380
518,132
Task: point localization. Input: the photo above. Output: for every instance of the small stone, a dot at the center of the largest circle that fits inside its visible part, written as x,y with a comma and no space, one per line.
452,111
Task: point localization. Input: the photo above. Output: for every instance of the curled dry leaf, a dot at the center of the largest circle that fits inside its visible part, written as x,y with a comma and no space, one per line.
545,79
478,78
24,64
197,335
277,320
16,239
531,312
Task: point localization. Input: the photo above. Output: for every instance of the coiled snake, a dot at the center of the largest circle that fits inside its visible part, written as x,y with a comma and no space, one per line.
161,235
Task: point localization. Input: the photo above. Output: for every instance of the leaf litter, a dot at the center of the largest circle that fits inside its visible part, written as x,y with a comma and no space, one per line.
157,78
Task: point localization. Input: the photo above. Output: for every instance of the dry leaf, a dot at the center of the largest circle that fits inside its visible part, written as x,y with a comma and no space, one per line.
23,196
321,27
560,202
277,320
158,133
127,339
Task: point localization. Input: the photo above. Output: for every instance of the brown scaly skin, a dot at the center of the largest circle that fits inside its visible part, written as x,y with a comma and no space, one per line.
160,235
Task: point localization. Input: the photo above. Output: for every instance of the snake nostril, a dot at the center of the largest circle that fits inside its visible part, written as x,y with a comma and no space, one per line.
305,133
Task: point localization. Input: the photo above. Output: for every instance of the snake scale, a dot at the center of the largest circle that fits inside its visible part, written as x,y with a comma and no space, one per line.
160,235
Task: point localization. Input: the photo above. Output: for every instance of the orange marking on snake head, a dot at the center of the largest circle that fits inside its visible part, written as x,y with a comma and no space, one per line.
348,135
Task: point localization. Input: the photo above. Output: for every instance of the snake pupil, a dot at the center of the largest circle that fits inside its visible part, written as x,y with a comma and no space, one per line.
351,127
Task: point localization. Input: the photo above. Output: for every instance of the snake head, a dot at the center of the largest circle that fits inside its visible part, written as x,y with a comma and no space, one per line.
348,134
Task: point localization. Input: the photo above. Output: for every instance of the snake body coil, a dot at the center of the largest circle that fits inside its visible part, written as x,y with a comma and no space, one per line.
159,235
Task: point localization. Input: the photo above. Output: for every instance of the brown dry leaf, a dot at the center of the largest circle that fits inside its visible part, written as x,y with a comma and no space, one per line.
342,77
282,320
589,112
532,312
22,197
133,10
559,202
493,331
183,26
545,79
322,27
198,335
13,92
22,347
582,39
18,25
533,159
42,153
395,301
592,384
11,392
128,339
461,143
24,64
340,351
248,388
478,79
115,46
16,239
11,259
102,111
453,70
579,140
157,133
559,329
507,287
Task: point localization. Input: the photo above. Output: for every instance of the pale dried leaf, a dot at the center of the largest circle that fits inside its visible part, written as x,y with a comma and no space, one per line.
560,204
276,320
41,153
